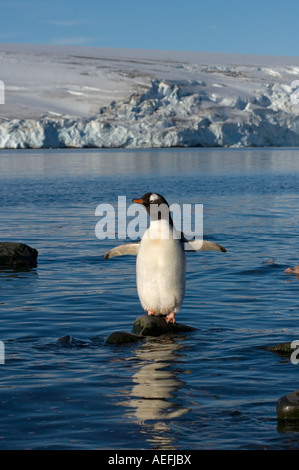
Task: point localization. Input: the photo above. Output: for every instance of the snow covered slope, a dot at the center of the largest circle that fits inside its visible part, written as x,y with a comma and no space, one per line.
93,97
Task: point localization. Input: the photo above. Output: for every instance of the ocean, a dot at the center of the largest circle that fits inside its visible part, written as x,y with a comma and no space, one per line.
212,388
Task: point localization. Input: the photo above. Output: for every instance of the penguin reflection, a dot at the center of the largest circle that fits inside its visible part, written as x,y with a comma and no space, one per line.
154,394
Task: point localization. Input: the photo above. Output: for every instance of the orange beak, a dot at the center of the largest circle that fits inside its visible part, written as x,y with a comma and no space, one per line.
139,201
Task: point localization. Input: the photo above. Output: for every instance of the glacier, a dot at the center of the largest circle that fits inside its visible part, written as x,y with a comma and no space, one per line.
60,97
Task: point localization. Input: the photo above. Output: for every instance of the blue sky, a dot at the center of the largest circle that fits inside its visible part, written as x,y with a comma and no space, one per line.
251,27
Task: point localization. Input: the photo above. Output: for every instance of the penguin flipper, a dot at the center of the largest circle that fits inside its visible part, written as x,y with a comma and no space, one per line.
127,249
203,245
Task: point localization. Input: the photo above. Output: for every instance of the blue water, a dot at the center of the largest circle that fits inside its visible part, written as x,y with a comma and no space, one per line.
215,388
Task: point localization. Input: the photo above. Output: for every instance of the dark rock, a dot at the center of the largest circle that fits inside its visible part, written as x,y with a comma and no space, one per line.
284,349
148,325
287,407
287,425
67,339
120,337
17,255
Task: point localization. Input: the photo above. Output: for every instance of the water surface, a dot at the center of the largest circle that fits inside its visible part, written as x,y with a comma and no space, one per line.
215,388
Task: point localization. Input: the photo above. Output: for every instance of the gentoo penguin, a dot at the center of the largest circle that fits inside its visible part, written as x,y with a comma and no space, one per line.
161,263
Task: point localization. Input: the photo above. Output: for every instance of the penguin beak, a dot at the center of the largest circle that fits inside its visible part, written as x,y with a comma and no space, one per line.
139,201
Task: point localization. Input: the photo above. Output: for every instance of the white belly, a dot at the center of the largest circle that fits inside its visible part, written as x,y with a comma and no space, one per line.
160,273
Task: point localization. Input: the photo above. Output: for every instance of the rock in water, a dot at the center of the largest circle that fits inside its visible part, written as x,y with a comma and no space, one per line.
148,325
287,407
120,337
17,255
284,349
67,339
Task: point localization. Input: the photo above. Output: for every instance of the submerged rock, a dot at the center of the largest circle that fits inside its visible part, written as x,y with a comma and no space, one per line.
287,407
284,349
148,325
120,337
67,339
17,255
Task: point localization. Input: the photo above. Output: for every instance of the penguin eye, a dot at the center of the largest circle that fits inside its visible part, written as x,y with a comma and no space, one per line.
153,198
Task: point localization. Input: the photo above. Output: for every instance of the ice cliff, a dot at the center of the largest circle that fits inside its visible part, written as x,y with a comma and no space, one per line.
189,104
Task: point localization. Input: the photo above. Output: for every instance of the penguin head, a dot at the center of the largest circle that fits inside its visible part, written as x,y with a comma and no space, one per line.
151,198
148,200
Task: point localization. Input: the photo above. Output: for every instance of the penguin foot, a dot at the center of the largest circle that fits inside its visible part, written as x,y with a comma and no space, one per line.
150,312
170,318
